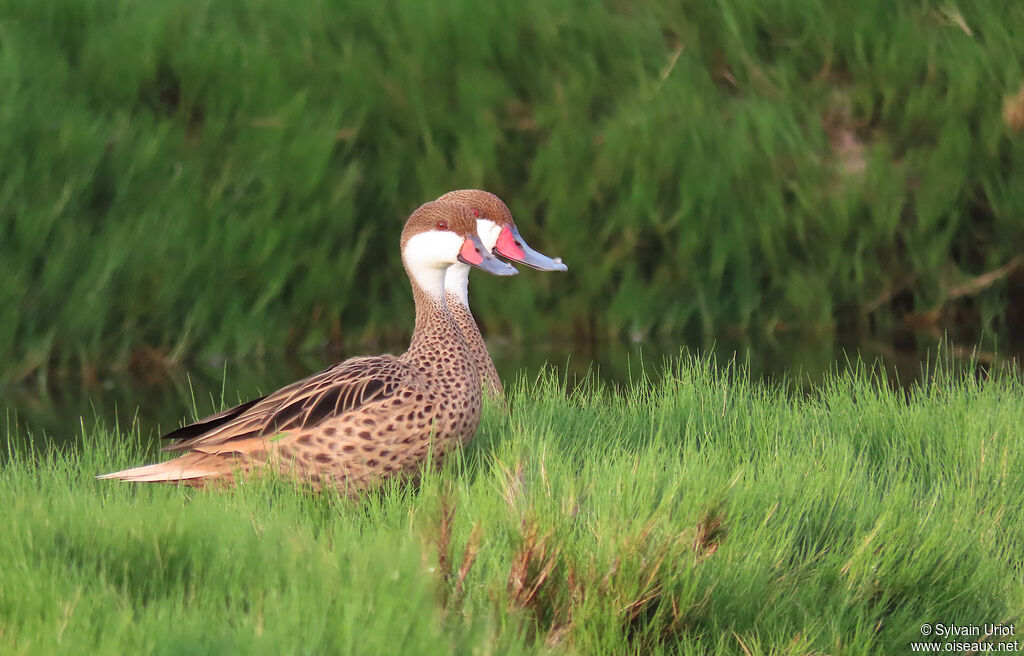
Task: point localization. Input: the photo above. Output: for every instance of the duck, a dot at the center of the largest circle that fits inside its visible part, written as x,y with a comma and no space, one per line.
368,418
498,233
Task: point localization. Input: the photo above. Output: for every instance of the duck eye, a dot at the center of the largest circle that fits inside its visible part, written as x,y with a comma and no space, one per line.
476,213
442,225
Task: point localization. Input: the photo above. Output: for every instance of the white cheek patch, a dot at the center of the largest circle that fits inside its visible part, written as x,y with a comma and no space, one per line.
489,232
427,256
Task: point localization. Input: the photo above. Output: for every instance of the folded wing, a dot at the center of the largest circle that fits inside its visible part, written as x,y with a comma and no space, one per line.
343,388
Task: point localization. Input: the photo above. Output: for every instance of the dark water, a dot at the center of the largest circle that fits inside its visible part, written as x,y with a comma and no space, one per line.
160,402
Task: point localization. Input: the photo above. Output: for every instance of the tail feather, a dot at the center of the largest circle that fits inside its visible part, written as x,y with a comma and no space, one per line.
188,468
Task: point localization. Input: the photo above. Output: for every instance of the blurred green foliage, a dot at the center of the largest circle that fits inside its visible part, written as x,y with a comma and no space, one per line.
226,177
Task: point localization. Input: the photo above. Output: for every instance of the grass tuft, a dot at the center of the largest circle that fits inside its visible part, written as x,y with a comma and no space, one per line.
705,513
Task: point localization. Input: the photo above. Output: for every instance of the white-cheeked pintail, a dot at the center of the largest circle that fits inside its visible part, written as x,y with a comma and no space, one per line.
499,233
366,418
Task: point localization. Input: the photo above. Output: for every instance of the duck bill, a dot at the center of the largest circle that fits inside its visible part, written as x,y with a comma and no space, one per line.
473,253
512,246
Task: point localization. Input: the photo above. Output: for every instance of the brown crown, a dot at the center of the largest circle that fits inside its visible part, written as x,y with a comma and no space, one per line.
490,206
454,217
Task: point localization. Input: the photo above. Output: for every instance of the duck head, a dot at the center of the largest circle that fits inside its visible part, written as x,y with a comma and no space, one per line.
442,233
498,231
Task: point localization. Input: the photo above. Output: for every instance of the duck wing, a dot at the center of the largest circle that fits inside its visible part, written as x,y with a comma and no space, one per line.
207,424
343,388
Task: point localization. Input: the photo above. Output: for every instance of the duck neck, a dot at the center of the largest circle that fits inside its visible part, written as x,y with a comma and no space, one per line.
437,343
457,299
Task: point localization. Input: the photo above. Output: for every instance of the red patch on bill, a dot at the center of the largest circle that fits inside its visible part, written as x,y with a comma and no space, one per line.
507,245
469,253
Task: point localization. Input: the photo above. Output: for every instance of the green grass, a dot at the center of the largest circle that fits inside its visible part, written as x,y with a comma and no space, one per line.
705,515
188,178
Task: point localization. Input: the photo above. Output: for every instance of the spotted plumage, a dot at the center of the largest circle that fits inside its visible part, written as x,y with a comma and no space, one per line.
476,346
367,418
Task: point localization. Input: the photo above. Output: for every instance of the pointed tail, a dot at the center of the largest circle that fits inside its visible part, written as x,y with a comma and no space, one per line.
187,469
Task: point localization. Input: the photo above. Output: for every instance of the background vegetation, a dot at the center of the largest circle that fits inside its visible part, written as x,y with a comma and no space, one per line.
225,177
706,514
